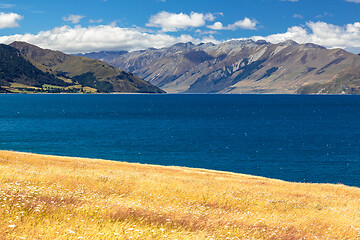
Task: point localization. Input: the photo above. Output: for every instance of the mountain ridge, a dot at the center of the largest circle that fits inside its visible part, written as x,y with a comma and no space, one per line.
34,69
237,66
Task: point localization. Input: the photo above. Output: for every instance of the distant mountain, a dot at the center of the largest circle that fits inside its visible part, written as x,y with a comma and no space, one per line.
103,55
33,69
237,66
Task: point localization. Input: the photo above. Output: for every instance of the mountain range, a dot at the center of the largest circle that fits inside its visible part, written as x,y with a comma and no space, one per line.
243,66
28,68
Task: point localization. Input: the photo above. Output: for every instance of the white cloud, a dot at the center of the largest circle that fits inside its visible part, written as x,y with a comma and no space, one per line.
322,33
96,38
6,5
172,22
73,18
291,0
298,16
216,26
325,14
9,20
96,21
111,37
206,32
355,1
246,23
210,17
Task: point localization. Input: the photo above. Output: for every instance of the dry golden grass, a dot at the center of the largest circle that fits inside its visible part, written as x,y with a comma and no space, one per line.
47,197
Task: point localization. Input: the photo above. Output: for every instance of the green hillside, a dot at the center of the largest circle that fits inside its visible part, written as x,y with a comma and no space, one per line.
14,69
28,68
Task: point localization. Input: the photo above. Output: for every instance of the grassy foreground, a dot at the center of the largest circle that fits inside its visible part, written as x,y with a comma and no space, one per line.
47,197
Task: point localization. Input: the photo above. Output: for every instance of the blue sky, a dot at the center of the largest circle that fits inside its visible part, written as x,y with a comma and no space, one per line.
94,25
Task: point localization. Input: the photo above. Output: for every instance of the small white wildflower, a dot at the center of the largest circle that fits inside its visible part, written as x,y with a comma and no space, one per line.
11,226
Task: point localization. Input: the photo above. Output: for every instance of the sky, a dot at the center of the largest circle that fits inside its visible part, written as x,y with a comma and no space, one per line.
75,26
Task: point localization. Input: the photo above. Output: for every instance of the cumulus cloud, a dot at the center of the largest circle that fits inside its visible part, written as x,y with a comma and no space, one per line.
172,22
9,20
246,23
73,18
216,26
111,37
322,33
96,38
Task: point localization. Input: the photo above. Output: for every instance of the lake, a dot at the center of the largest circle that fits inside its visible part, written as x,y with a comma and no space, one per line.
290,137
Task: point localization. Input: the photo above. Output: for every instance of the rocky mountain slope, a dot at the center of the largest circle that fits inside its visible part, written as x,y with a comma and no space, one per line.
346,82
28,68
236,66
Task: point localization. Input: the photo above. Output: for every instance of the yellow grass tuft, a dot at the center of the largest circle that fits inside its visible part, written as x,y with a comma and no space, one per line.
47,197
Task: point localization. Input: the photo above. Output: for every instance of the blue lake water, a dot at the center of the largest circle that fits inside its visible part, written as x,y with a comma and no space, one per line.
289,137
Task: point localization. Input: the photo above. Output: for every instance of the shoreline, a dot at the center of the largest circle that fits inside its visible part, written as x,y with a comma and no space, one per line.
185,168
204,170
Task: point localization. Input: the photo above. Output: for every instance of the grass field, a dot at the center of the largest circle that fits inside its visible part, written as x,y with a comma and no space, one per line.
47,197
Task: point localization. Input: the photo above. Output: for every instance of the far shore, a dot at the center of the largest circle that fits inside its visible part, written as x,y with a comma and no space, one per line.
162,94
